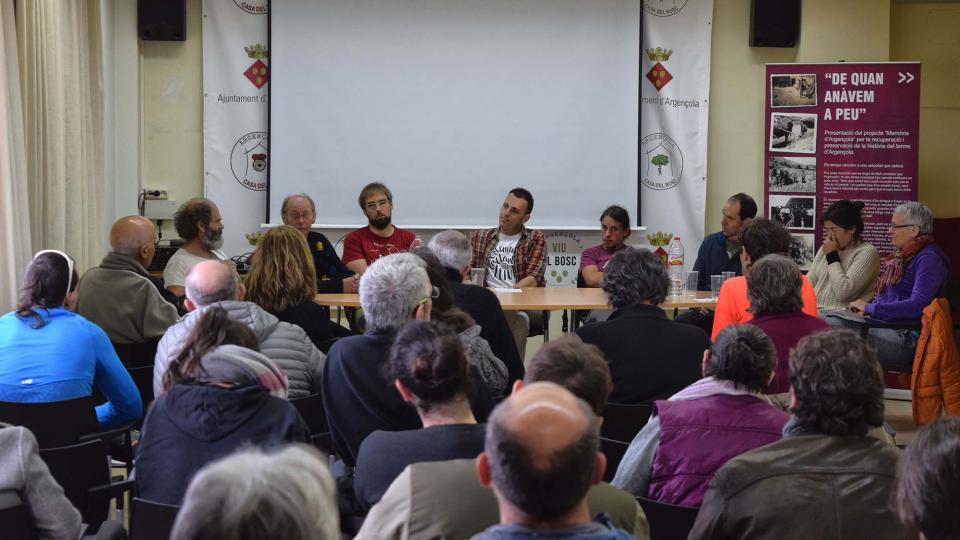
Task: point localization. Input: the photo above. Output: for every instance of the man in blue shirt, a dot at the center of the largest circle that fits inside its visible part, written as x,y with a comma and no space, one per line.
720,252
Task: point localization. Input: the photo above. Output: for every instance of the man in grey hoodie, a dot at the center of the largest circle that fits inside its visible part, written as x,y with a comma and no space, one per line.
212,283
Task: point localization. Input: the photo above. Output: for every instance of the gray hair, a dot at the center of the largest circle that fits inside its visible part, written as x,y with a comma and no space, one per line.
254,495
222,284
634,275
390,290
286,200
452,248
916,213
773,285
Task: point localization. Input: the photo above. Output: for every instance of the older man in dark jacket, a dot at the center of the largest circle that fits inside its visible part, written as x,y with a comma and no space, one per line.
827,478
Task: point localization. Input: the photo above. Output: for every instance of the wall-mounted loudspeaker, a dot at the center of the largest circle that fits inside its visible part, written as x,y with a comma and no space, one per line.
774,23
162,20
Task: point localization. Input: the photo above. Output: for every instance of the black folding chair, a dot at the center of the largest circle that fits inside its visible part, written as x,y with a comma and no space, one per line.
16,522
614,450
53,423
151,520
313,414
622,422
668,521
83,471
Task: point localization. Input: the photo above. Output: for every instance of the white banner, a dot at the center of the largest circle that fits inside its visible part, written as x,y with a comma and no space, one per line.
235,108
675,85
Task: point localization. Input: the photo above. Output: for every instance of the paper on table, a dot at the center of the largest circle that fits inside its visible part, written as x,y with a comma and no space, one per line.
507,290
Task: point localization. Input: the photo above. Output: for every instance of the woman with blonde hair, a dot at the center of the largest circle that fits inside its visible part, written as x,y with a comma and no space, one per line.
282,281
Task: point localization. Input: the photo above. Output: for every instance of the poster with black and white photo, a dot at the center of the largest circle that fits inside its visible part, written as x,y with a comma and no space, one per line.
802,250
795,212
795,133
793,90
792,174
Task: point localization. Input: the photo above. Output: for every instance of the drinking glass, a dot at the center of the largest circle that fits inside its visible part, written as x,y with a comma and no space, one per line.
728,275
716,281
691,280
478,275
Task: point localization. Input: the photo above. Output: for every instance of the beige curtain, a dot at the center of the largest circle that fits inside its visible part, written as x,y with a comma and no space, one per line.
62,86
14,224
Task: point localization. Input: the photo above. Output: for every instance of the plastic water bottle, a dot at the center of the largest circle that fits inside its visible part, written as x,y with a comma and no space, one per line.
675,266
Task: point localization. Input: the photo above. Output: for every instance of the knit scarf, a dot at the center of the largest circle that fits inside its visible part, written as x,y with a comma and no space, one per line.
896,262
238,366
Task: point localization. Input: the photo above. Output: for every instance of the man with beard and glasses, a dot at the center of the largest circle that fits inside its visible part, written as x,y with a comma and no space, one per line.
367,244
198,222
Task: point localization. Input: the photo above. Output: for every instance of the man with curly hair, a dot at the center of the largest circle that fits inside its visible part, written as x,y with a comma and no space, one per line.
198,222
827,478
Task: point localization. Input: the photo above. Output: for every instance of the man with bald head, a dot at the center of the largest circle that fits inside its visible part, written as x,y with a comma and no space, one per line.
199,224
216,284
120,297
541,456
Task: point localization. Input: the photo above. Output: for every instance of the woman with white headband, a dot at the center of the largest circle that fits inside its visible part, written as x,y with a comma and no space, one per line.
48,353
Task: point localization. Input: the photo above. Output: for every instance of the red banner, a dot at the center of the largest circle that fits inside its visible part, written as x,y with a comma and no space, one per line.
840,131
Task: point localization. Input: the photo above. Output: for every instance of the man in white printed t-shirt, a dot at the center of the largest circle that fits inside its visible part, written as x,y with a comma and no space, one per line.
198,222
514,256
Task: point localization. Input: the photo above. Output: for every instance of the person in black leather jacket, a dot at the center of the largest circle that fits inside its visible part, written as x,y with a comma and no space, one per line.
826,478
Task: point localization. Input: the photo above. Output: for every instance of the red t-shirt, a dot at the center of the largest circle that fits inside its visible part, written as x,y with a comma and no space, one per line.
363,244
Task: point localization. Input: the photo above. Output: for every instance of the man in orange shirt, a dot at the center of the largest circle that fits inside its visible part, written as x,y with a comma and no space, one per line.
758,238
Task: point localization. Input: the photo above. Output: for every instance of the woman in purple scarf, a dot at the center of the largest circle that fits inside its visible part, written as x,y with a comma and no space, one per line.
912,276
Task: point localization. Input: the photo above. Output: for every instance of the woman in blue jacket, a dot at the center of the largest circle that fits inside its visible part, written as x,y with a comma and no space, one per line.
48,353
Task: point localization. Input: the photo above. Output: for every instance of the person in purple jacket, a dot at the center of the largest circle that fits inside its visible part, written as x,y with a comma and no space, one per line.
715,419
912,276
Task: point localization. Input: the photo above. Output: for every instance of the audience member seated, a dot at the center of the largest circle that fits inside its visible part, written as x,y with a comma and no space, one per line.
261,496
928,482
121,297
707,423
719,253
514,257
214,284
826,478
25,479
48,353
913,275
846,267
357,397
650,356
773,289
367,244
199,224
429,368
540,458
478,350
453,250
409,507
299,212
281,281
219,395
614,230
759,238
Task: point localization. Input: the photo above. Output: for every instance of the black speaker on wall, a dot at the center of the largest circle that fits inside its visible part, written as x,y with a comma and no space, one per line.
162,20
774,23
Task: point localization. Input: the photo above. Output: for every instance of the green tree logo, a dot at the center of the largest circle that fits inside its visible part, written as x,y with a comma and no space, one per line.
660,160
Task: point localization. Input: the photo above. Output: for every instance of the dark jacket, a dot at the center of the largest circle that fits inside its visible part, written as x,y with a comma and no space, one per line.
192,425
330,269
712,259
806,486
649,355
485,309
385,454
314,319
785,330
699,436
359,400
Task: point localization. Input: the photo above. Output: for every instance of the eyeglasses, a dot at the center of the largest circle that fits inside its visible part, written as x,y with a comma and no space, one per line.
895,226
294,216
434,294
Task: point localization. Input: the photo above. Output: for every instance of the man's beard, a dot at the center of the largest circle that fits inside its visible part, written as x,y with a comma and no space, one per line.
380,223
213,239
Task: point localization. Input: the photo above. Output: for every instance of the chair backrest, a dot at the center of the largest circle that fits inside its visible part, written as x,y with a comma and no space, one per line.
77,468
622,422
312,412
137,354
614,450
143,377
668,521
16,522
151,520
53,423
